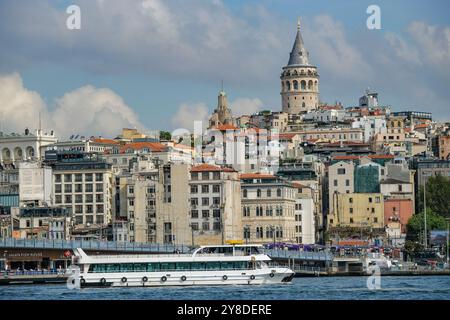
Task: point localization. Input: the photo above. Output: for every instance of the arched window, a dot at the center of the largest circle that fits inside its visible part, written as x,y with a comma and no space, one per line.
310,84
288,86
278,192
6,154
303,105
269,193
315,85
30,152
258,193
295,83
244,193
18,154
303,85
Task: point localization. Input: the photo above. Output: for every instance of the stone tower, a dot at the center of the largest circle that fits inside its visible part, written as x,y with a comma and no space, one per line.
222,115
299,80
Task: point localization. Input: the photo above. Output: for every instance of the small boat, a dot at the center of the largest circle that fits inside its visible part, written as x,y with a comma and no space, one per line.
207,265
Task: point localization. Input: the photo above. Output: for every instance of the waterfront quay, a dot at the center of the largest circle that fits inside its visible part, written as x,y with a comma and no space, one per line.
33,261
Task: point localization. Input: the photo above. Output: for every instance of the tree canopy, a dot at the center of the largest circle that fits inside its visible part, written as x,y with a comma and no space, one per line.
438,195
165,135
416,225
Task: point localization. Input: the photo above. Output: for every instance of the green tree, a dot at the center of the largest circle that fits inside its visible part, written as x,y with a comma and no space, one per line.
165,135
416,225
438,195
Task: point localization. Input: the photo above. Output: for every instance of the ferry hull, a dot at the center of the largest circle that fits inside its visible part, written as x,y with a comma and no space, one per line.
158,279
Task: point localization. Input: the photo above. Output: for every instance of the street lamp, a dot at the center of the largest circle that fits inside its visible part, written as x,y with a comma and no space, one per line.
448,266
425,242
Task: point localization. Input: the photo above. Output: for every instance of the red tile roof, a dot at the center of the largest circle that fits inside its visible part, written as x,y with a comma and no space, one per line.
298,185
137,146
286,136
256,176
105,141
421,126
204,167
224,127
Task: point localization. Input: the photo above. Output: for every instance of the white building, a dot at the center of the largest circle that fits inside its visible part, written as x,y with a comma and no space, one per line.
98,145
35,183
86,188
305,229
28,146
371,125
325,116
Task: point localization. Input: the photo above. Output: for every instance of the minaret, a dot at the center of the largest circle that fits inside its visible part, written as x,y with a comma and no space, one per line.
299,80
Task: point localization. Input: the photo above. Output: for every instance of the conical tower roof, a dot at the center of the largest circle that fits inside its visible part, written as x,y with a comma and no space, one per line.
299,55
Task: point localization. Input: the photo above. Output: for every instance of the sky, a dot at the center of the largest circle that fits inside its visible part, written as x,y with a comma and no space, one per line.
159,64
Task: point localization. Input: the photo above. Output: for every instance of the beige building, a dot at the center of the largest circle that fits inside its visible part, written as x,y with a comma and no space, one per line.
340,180
149,207
268,209
337,134
222,114
299,80
215,205
361,210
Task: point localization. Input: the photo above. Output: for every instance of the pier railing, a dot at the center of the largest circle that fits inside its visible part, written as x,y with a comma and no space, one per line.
92,245
300,255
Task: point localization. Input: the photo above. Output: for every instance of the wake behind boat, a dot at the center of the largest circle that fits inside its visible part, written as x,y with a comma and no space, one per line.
207,265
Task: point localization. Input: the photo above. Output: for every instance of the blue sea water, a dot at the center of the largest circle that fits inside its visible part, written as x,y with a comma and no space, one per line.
318,288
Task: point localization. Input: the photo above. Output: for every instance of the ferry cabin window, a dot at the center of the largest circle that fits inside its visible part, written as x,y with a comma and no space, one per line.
168,266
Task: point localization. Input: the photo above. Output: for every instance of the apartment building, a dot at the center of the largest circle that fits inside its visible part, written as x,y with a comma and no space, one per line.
358,210
215,199
268,209
83,184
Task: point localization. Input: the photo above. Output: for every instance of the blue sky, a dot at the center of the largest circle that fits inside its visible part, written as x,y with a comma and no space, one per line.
157,64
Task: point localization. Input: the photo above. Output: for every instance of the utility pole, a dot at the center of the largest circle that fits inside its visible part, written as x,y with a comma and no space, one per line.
425,212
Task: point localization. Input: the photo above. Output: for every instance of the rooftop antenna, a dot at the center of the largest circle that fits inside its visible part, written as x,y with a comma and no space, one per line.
222,85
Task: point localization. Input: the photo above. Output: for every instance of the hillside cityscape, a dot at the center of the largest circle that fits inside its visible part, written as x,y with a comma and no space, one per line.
307,175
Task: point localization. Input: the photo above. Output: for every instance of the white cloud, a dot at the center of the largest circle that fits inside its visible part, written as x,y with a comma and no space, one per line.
152,36
100,111
245,106
87,110
19,107
187,114
333,52
433,42
403,50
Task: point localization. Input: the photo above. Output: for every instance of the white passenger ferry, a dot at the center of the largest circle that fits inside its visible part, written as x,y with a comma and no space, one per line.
207,265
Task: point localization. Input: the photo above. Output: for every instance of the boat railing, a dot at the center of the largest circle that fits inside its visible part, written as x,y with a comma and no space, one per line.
140,256
11,273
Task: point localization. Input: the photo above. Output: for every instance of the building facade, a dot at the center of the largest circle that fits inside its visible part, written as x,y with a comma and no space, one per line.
268,209
215,204
28,146
358,210
299,80
84,186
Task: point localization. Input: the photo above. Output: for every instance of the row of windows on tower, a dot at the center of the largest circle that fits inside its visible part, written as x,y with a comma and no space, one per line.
295,85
